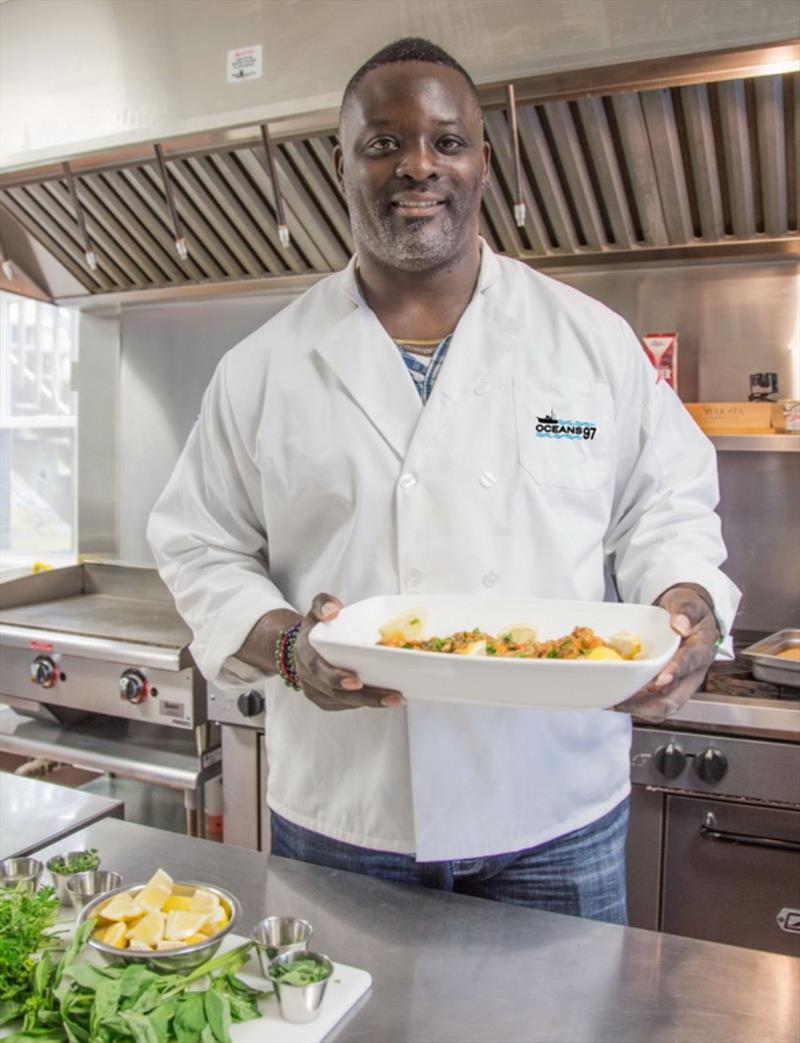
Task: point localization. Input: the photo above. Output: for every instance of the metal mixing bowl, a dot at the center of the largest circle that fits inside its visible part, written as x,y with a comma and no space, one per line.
185,958
16,871
83,888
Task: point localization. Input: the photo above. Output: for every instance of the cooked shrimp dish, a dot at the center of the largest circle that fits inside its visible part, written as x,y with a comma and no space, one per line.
517,641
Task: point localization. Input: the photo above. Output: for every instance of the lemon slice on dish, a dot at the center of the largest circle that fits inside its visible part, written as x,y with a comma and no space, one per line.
155,892
408,626
603,652
520,633
121,907
203,901
627,644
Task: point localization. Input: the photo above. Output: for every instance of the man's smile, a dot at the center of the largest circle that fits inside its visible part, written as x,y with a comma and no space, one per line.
417,204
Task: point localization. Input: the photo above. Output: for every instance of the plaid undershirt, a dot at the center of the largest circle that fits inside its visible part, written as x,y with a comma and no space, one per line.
424,371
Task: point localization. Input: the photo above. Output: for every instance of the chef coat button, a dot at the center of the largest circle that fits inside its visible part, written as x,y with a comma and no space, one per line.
408,481
412,578
491,579
481,389
487,480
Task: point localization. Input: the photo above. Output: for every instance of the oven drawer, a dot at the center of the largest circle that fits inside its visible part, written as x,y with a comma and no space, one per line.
732,874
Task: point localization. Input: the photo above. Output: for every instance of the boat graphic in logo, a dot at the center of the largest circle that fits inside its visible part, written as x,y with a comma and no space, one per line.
551,426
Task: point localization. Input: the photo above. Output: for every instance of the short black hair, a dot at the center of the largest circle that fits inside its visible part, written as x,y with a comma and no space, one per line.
409,49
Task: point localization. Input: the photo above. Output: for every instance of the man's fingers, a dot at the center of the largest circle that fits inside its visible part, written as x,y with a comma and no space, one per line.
325,607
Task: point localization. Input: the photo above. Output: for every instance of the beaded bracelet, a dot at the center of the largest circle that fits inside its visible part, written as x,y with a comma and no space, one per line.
285,660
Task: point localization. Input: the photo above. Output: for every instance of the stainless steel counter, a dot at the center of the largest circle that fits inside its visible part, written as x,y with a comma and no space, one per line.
449,968
34,813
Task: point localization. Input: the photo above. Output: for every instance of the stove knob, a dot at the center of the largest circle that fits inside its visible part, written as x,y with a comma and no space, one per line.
133,686
711,765
250,704
44,671
670,760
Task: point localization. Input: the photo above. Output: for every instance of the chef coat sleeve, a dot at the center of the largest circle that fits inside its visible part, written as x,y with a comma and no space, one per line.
208,537
664,529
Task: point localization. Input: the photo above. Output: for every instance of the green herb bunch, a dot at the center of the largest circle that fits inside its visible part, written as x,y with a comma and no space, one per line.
24,918
79,862
78,1002
300,972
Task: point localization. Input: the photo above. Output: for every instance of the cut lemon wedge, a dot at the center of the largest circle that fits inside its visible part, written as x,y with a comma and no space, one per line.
408,626
136,946
122,907
602,652
181,924
203,901
176,902
156,891
149,929
116,935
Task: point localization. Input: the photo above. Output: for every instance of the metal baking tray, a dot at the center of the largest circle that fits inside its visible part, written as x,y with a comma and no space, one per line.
768,664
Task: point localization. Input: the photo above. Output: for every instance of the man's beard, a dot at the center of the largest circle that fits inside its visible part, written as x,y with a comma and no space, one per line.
417,244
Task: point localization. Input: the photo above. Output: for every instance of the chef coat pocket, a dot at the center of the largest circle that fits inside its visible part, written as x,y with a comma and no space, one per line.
565,433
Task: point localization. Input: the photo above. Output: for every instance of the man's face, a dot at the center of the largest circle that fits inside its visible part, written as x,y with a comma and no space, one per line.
412,165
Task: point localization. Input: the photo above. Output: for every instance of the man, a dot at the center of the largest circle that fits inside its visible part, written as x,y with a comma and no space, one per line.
378,436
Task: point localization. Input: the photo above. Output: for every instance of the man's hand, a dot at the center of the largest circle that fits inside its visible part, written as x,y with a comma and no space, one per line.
692,618
329,687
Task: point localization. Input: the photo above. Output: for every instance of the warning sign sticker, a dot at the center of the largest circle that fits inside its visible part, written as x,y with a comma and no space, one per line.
244,64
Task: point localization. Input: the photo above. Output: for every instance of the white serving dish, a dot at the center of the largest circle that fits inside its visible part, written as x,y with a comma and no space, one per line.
349,641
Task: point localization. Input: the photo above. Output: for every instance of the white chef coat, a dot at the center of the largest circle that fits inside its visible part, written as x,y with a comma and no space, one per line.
314,467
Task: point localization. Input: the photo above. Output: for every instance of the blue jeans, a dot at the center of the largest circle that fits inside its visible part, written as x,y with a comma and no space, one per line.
581,873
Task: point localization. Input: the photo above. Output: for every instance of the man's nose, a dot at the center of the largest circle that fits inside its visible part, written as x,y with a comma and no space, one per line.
418,162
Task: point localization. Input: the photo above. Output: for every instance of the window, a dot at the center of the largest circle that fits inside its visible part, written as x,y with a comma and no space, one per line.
38,433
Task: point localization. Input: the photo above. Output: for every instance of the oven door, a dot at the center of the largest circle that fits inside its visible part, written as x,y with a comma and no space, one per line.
732,874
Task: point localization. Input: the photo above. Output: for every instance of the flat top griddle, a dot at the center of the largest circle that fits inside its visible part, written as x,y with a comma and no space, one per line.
105,616
108,601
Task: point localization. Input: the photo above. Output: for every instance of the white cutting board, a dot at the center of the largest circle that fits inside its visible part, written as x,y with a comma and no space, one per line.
347,985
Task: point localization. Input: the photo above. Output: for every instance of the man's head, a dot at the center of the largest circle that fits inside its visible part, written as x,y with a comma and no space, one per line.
412,160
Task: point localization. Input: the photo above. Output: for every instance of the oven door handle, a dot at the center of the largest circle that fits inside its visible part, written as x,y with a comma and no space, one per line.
709,831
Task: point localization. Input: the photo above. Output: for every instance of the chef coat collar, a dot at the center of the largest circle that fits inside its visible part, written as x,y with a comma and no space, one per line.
487,275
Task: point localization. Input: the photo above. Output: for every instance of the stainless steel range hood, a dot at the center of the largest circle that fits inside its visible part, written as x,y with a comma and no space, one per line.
692,156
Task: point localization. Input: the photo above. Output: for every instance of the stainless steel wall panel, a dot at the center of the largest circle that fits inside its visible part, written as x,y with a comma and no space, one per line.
639,158
573,163
497,132
703,161
540,160
738,159
772,153
665,147
607,170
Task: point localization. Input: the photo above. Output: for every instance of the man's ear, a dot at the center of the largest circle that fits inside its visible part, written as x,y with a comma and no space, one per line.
338,165
487,163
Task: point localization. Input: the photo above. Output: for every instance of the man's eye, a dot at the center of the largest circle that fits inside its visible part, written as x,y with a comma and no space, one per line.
381,144
450,144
